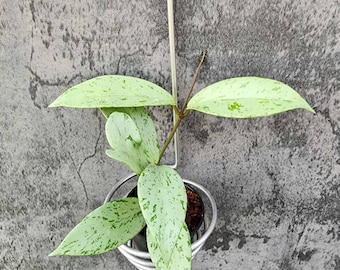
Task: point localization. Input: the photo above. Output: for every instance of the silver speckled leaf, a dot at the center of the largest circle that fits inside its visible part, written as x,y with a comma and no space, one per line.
114,91
163,201
104,229
180,257
247,97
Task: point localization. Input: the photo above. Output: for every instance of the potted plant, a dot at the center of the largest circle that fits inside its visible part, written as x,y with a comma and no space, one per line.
162,201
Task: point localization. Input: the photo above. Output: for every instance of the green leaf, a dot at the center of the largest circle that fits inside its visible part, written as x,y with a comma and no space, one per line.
125,139
163,201
247,97
181,254
146,128
114,91
104,229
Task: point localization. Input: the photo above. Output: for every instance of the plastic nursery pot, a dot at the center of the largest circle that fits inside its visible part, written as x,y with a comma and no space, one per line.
135,249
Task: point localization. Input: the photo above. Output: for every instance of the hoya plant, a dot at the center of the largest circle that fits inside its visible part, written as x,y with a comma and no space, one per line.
161,202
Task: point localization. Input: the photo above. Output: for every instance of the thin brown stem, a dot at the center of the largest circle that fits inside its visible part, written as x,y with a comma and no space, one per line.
182,113
198,69
179,118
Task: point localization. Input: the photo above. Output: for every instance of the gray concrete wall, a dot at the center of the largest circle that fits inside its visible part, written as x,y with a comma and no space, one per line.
276,179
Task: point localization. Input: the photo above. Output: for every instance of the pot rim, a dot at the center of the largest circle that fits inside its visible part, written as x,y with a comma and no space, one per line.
195,246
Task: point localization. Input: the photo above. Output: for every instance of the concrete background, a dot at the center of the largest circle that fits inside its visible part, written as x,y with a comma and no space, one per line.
276,179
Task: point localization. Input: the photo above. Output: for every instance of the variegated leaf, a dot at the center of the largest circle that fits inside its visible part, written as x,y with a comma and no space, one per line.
163,201
126,142
247,97
144,123
104,229
180,258
114,91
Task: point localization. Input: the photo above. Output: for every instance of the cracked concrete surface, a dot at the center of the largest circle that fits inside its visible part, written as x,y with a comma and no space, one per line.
276,180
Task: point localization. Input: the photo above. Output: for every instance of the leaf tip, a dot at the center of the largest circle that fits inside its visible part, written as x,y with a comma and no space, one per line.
310,109
53,253
307,107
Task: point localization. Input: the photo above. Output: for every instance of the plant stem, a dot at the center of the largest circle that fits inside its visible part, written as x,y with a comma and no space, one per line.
198,69
183,112
170,137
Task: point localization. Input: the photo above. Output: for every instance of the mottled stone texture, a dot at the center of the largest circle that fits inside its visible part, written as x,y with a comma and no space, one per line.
276,179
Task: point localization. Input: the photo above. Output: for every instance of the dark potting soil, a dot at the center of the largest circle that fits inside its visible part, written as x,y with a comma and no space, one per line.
194,216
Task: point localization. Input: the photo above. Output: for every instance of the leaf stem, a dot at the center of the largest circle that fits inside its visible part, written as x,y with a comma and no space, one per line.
181,114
